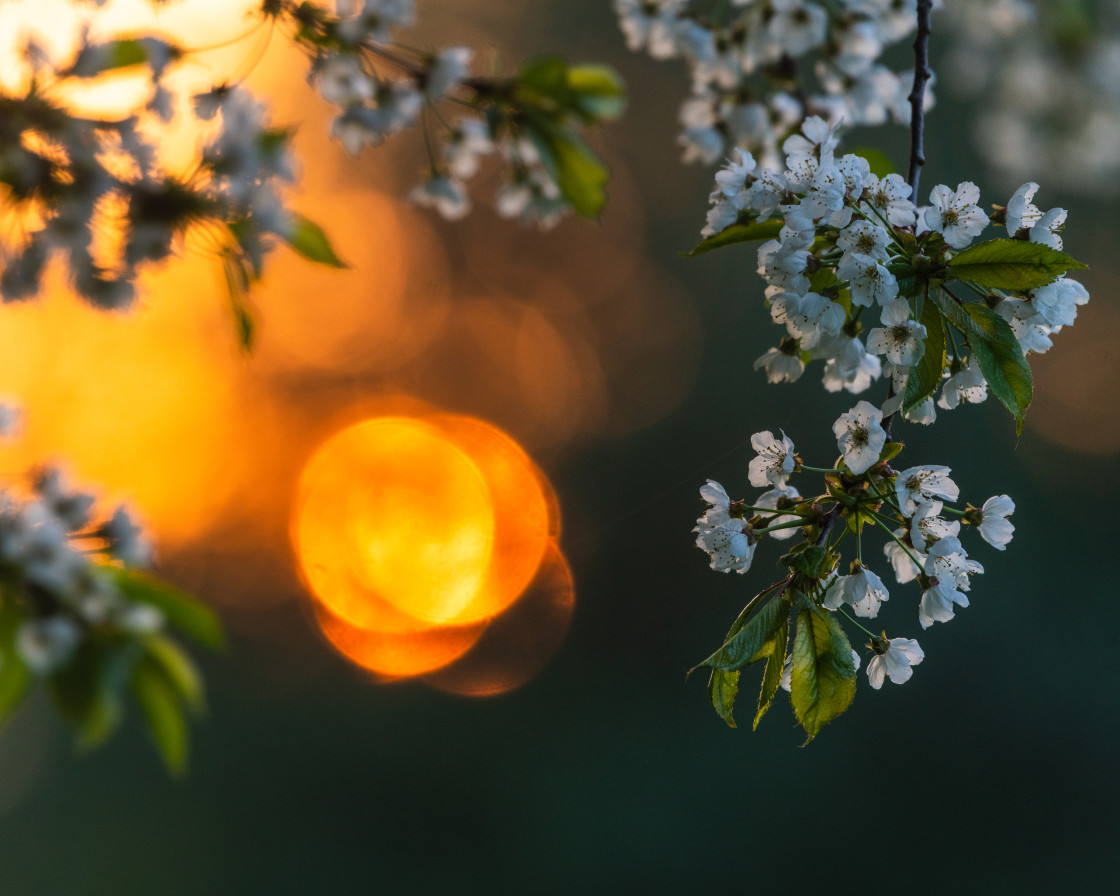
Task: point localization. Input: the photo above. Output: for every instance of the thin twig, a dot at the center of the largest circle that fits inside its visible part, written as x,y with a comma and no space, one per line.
918,97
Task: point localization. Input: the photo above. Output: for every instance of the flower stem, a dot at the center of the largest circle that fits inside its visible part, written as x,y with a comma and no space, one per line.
852,620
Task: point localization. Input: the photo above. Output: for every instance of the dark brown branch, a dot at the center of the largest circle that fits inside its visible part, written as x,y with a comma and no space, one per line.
918,97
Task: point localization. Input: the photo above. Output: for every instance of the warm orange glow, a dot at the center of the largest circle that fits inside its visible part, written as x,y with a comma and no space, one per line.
399,654
148,406
416,534
376,315
525,511
520,642
411,513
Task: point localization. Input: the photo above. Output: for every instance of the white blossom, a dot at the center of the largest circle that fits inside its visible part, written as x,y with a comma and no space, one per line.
890,197
778,499
955,215
966,386
927,526
445,194
775,460
995,527
906,561
918,485
868,279
728,546
896,662
863,590
860,436
47,643
781,366
900,339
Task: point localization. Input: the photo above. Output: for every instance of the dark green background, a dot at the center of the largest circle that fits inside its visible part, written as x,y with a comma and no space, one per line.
992,771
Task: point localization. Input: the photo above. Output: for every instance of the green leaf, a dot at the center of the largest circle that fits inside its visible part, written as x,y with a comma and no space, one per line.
890,451
723,686
925,376
811,560
309,240
156,696
89,689
15,678
599,91
577,170
1011,264
990,325
179,669
754,627
775,664
824,676
974,319
547,75
98,58
239,276
1008,376
740,232
184,613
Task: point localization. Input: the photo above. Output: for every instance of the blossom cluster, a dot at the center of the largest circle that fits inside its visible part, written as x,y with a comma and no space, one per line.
760,67
382,88
1047,80
53,555
91,192
913,507
848,242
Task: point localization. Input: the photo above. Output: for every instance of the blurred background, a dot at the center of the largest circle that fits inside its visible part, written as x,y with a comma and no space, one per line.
584,383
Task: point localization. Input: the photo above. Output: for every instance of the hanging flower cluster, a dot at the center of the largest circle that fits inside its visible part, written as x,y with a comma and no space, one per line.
530,121
923,545
760,67
951,318
847,245
90,193
78,613
1047,79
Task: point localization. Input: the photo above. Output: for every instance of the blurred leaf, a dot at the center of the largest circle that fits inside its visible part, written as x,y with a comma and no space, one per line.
755,625
309,240
600,93
1011,264
158,700
238,279
741,232
880,162
15,678
723,686
775,650
1008,376
98,58
590,93
180,670
824,676
89,689
925,376
576,169
184,613
547,76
